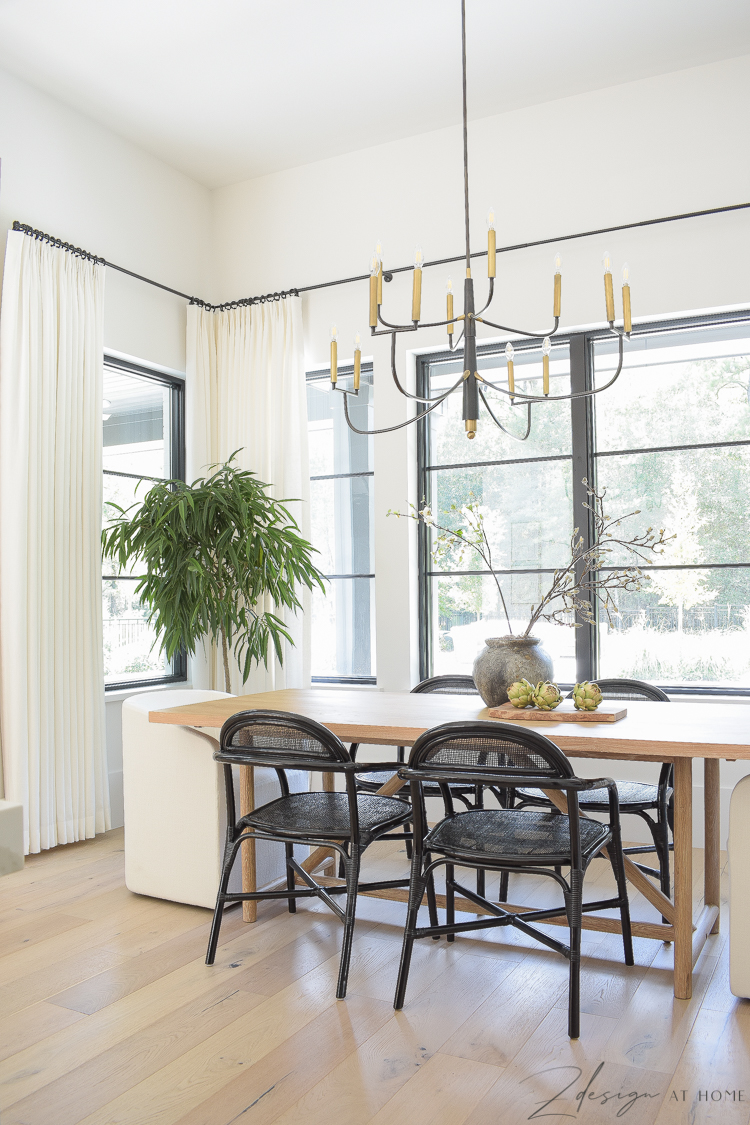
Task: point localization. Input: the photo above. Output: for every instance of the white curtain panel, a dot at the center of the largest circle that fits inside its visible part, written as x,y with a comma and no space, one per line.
246,391
51,659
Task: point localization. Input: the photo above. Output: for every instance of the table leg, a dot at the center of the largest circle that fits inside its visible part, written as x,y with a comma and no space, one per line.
247,850
683,878
712,859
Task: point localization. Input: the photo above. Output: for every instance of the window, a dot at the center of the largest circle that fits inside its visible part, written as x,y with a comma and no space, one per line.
341,510
670,438
143,441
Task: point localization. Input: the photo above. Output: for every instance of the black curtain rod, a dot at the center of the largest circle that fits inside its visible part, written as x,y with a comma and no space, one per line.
387,275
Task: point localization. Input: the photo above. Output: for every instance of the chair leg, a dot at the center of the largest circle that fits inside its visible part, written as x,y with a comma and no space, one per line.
574,901
416,893
574,985
292,902
408,828
479,804
661,830
230,854
618,868
431,899
503,892
450,898
352,881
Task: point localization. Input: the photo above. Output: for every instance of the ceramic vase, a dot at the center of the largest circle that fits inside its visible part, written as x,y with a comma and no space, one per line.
503,661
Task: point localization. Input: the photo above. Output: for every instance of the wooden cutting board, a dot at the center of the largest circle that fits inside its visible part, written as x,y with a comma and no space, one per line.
565,713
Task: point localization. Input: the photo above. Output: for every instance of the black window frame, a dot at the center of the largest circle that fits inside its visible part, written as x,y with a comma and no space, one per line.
584,459
176,387
317,375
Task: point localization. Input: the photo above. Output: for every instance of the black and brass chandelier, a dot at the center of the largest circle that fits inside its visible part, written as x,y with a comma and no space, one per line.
474,386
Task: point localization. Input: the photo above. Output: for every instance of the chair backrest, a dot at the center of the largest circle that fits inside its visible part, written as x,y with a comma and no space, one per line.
280,739
450,684
630,689
488,748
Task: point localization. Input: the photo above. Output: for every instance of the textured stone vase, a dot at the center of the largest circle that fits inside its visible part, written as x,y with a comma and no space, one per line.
503,661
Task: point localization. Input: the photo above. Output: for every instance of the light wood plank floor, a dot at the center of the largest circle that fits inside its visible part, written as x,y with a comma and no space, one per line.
108,1015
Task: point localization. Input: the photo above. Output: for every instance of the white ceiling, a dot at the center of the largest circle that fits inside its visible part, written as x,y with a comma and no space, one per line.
229,89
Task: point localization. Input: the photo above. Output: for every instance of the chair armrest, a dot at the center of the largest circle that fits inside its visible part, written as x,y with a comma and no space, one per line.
509,781
373,767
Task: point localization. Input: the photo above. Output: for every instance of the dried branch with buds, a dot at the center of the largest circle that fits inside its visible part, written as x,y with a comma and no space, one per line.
588,577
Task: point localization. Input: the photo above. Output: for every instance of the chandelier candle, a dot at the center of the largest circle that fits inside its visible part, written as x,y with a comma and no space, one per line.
609,295
509,353
416,292
546,349
357,360
375,265
626,314
557,300
449,305
334,355
491,243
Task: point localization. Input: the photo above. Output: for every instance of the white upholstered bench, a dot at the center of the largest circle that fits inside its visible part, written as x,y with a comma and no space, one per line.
175,819
738,847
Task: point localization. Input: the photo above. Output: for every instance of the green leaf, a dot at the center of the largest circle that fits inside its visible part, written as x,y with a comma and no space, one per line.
212,551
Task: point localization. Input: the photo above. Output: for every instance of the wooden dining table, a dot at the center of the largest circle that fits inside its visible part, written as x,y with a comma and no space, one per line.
679,733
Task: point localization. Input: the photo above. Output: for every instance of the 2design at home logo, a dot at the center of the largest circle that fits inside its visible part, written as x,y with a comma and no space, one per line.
573,1091
696,1097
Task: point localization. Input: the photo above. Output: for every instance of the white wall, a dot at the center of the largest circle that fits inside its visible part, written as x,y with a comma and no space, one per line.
651,148
67,175
74,179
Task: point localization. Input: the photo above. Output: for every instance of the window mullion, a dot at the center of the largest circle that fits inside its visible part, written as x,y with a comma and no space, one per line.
424,496
582,427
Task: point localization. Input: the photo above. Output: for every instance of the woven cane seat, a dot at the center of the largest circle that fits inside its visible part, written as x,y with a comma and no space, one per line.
374,780
327,815
516,834
630,793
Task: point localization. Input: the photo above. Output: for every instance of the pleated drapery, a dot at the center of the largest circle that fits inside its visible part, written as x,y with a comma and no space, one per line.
246,380
51,656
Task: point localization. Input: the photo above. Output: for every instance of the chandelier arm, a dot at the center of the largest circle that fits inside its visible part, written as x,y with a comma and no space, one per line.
489,298
389,429
454,347
516,437
415,325
519,331
418,398
397,327
521,397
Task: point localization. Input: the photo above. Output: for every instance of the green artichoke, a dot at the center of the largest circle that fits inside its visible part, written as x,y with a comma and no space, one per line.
546,696
586,696
520,693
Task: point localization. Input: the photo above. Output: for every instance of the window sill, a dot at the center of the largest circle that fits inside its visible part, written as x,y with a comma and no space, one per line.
709,698
124,693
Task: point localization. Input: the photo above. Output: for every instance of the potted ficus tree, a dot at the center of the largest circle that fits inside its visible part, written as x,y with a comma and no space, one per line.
216,553
588,577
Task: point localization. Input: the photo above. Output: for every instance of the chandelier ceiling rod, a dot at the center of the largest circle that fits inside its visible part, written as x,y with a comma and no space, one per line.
466,135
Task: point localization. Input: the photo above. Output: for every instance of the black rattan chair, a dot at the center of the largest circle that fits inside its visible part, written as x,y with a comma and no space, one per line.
636,798
503,755
470,796
347,822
